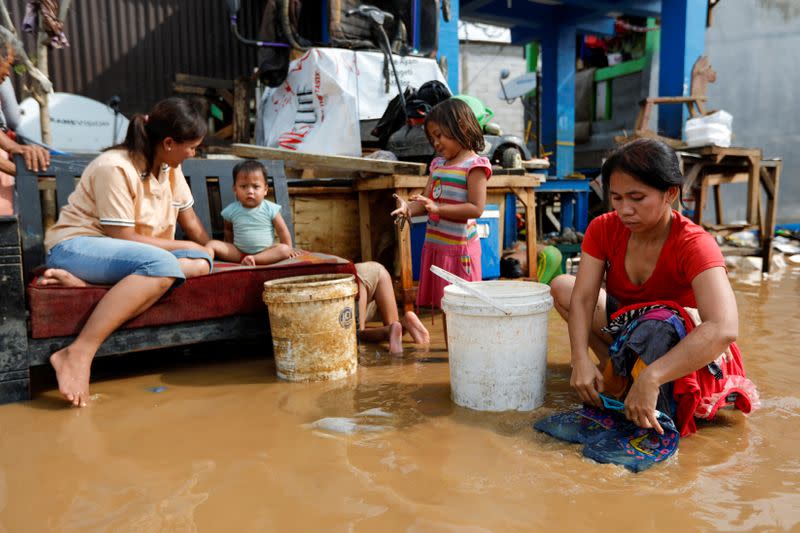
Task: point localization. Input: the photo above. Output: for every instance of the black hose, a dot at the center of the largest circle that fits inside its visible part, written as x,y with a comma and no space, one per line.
235,29
286,26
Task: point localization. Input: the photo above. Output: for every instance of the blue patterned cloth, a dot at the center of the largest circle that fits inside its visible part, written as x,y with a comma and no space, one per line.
608,437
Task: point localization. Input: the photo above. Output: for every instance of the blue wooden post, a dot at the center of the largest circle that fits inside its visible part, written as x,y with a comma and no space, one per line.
567,217
448,46
683,30
558,98
581,210
510,221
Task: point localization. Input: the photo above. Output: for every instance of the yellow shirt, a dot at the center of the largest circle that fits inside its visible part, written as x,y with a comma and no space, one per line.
112,192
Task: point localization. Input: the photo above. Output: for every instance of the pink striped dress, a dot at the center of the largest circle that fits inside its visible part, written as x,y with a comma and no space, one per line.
450,244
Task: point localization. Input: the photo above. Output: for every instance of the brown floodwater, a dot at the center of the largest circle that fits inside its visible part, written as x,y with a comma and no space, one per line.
225,446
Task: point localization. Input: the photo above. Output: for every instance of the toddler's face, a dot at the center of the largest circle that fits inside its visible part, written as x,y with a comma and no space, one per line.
250,188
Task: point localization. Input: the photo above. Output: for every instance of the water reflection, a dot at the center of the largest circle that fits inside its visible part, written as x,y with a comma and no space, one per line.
225,445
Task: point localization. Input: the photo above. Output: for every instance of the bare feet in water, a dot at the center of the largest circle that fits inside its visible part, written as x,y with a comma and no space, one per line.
395,337
72,371
60,278
413,325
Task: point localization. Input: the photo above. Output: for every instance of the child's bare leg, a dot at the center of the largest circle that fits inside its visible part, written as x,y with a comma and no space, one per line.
415,328
384,298
392,332
125,300
271,255
225,251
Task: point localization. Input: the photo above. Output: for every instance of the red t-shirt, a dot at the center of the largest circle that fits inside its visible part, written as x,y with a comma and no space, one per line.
688,251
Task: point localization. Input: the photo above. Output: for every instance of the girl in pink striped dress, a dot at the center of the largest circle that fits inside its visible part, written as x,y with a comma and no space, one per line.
453,198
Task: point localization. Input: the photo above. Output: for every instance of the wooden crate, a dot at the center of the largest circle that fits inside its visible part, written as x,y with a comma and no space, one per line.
327,224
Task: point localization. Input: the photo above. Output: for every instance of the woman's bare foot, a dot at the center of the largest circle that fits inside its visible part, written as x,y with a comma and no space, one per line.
249,260
60,278
72,371
413,325
395,337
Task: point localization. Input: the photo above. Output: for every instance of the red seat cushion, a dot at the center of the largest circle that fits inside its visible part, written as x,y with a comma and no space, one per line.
231,290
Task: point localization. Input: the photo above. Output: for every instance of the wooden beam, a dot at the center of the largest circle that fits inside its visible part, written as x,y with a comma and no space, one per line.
365,226
214,83
340,162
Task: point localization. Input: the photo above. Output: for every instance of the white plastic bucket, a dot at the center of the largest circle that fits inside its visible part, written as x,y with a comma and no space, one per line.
498,362
312,321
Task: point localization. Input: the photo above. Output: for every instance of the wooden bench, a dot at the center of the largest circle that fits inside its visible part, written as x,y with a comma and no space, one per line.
25,321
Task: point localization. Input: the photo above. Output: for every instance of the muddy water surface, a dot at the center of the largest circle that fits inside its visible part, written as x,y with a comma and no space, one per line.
222,445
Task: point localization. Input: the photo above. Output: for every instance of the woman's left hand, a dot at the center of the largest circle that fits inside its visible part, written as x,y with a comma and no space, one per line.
430,206
640,404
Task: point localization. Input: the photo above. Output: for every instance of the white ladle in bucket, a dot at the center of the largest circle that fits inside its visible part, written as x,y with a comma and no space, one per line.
469,287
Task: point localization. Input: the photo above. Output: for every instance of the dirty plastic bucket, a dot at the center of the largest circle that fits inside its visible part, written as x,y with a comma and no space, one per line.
312,319
498,362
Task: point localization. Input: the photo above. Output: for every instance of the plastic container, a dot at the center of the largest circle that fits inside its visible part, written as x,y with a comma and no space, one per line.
498,362
709,129
489,232
313,325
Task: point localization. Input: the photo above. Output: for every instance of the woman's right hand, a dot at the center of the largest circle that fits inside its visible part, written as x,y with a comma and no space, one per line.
587,380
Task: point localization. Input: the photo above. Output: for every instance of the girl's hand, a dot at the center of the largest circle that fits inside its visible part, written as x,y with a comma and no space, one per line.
640,404
296,251
430,206
402,213
587,381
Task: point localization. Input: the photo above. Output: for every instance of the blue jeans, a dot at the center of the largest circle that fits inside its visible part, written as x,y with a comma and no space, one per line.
105,261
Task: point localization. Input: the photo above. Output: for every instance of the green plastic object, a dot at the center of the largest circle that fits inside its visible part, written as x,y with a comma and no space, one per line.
482,113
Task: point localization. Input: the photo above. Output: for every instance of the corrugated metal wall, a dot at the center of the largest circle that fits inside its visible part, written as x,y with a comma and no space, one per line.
133,48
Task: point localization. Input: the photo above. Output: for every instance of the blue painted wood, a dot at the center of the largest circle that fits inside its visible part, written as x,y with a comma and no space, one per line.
449,47
564,186
28,202
510,221
558,98
683,30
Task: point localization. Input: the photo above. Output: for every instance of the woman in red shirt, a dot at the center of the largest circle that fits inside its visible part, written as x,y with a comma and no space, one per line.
647,252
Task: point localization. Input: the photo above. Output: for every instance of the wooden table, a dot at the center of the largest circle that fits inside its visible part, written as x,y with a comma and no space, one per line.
522,186
709,167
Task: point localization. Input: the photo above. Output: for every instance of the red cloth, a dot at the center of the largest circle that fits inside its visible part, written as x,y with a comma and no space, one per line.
700,394
688,251
230,290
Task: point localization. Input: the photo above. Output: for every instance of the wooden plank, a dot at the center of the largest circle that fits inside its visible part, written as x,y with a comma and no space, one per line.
364,226
225,133
328,224
304,159
215,83
242,93
140,339
404,255
294,191
718,206
414,182
770,173
754,189
190,89
379,183
281,191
